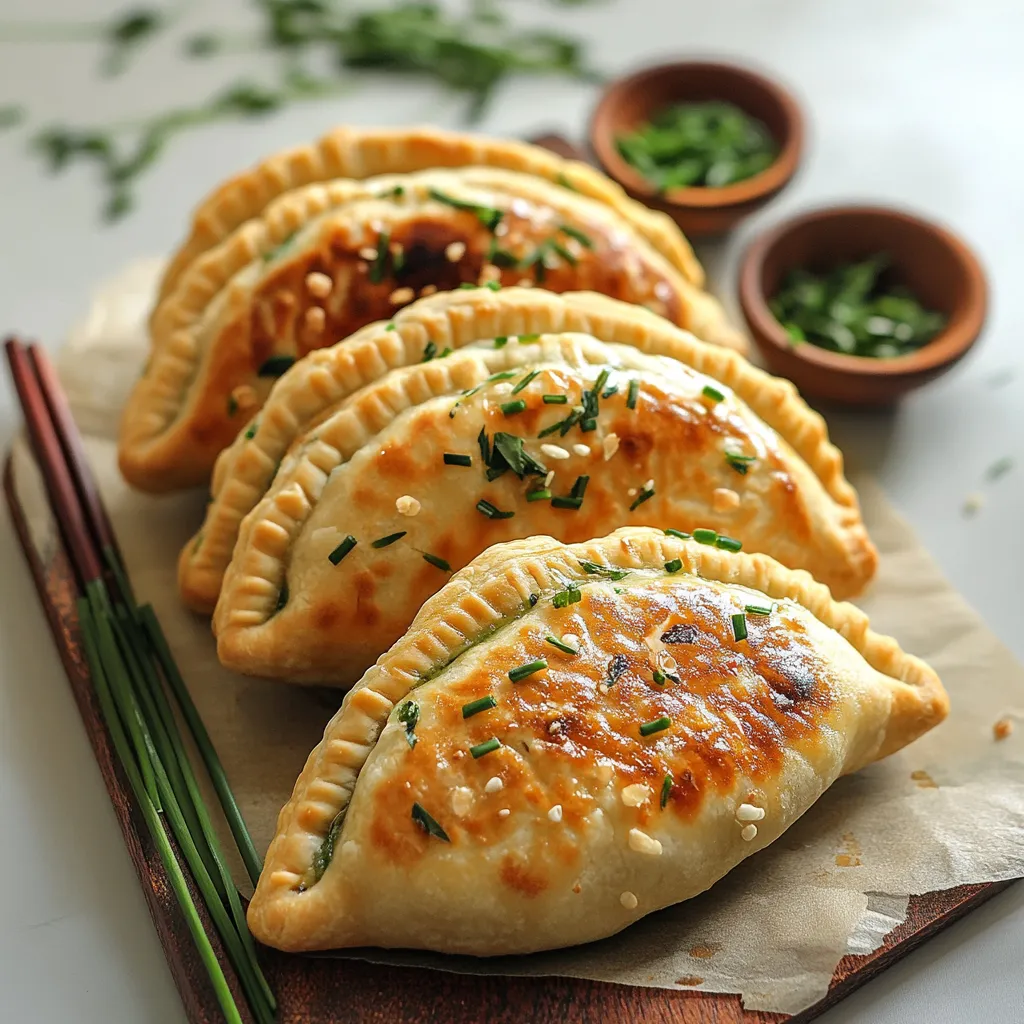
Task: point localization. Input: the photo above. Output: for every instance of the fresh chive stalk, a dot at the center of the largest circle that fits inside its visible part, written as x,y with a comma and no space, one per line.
487,747
674,565
474,707
384,542
677,533
739,626
655,725
517,675
558,645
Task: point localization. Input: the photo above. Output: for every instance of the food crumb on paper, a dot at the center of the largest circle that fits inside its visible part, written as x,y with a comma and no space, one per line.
1003,728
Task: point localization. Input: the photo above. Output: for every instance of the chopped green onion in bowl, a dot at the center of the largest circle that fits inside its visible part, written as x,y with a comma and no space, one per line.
852,309
690,145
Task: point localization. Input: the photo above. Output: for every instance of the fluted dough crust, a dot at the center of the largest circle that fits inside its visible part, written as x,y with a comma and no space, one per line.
326,379
662,445
568,831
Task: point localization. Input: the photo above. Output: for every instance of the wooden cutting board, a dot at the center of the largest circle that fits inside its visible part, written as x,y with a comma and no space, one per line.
317,990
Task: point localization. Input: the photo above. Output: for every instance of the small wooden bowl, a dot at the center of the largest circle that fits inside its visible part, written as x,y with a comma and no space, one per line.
628,102
937,266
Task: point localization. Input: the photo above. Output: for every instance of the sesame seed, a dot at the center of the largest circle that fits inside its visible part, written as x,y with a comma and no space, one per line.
749,812
1002,728
749,832
628,900
632,492
724,499
368,253
554,451
555,727
504,812
427,289
400,296
315,319
362,266
494,785
581,449
636,794
649,486
501,230
525,282
641,842
407,505
610,445
454,251
245,396
577,888
549,478
555,814
462,800
318,285
571,640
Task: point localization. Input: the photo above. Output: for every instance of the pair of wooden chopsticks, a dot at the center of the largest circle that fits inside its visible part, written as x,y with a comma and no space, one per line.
132,671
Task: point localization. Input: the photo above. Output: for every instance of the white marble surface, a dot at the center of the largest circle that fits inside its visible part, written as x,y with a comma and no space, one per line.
915,102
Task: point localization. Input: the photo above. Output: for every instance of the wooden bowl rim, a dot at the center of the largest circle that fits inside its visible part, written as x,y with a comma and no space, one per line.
948,346
760,186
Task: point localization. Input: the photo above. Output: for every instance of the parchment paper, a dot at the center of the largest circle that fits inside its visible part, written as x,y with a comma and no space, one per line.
947,811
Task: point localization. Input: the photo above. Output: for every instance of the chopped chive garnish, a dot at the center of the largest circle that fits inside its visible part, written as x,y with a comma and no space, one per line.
526,380
666,790
593,569
728,544
487,215
588,424
741,463
585,240
567,501
509,453
379,264
659,677
409,715
646,494
454,459
564,598
561,250
528,339
232,405
474,707
556,399
501,341
485,445
757,609
492,511
674,565
513,408
383,542
429,351
713,393
342,550
616,667
579,488
703,536
517,675
468,286
677,533
542,495
632,393
428,824
251,432
275,366
487,747
655,725
390,327
612,389
436,560
739,626
282,597
495,286
564,648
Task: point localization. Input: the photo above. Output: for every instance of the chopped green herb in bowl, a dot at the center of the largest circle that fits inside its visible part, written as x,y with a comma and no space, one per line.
853,310
708,145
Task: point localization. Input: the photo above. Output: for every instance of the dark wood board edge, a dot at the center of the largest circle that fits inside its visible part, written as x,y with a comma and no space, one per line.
58,592
316,990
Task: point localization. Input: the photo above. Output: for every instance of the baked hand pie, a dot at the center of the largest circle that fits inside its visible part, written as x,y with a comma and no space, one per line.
312,389
358,153
571,737
326,259
413,476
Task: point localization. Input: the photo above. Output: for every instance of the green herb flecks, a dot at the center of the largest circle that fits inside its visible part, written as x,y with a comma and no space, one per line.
409,715
704,536
856,310
437,561
606,571
584,239
677,533
275,366
378,268
282,597
655,725
740,462
250,432
525,381
232,405
739,626
342,550
514,407
385,542
728,544
517,675
571,595
707,144
456,459
474,707
507,452
558,645
666,790
492,511
489,216
428,823
632,394
645,495
556,399
487,747
712,393
674,565
540,495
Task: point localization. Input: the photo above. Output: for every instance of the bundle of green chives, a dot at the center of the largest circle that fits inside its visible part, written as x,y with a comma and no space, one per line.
132,669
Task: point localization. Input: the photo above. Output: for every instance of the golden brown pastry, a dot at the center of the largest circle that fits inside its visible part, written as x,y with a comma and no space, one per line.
410,478
319,384
569,738
326,259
